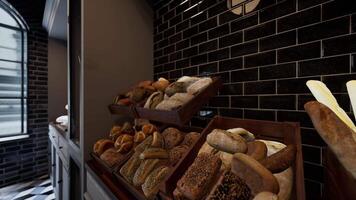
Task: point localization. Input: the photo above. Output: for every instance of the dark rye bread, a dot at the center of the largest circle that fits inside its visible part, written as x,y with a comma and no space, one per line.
198,178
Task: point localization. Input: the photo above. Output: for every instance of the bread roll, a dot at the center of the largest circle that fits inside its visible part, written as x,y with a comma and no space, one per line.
139,137
157,140
124,102
169,105
111,157
199,85
273,146
128,170
221,141
206,148
188,80
124,143
161,84
138,94
151,186
102,145
149,129
197,180
190,138
182,97
177,153
226,159
248,136
144,83
154,100
176,87
281,160
115,132
256,176
285,182
153,153
172,137
266,196
145,168
257,150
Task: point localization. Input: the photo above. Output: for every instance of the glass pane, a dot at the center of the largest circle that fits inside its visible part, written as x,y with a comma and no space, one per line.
10,117
7,19
10,44
10,79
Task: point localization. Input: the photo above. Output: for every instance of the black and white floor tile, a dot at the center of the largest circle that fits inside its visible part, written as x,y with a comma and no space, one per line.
39,189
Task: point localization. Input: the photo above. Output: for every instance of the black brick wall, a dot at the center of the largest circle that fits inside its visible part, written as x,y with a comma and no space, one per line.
265,58
23,160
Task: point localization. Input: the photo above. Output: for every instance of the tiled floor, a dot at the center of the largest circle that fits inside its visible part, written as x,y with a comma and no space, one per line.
39,189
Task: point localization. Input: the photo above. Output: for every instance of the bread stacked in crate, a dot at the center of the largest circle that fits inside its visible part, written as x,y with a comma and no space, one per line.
240,159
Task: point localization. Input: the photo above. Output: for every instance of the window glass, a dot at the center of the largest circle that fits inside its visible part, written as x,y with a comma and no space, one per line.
7,19
13,76
10,44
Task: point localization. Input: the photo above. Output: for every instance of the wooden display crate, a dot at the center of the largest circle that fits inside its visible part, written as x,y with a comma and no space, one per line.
128,111
137,191
182,115
285,132
105,166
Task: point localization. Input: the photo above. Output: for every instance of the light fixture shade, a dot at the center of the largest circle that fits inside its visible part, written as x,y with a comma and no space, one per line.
242,7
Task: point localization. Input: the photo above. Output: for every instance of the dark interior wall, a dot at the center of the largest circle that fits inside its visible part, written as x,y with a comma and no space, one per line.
57,78
25,159
264,58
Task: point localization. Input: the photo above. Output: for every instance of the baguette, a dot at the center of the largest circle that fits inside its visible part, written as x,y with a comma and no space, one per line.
145,168
281,160
151,185
129,168
339,137
152,153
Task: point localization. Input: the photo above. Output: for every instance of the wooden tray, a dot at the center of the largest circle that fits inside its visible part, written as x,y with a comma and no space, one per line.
137,191
129,111
105,166
182,115
285,132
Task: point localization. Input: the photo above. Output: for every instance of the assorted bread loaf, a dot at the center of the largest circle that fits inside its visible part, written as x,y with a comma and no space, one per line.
155,156
232,164
121,141
163,95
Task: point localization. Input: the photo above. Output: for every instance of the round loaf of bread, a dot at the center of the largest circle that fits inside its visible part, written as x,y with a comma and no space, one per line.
172,137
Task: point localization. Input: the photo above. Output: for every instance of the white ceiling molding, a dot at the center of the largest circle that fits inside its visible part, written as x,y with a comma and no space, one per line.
55,19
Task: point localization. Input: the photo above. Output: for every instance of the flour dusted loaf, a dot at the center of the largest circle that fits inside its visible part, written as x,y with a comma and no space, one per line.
220,140
197,180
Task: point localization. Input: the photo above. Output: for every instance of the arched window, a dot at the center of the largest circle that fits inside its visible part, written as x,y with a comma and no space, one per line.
13,72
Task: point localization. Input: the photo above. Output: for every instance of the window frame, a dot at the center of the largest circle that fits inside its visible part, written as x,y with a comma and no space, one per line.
23,29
